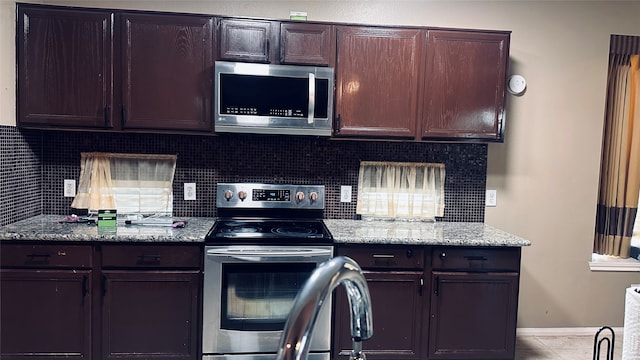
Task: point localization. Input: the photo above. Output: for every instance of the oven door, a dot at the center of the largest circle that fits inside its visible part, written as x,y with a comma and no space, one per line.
248,294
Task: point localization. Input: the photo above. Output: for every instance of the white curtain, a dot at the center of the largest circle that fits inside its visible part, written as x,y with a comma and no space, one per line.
129,183
401,190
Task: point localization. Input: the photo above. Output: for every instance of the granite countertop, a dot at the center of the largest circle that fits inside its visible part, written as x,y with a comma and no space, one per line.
421,233
49,227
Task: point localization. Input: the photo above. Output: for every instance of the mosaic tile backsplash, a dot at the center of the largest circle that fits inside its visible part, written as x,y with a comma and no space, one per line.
35,164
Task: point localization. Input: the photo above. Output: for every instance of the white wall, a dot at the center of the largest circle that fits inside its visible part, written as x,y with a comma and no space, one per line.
546,172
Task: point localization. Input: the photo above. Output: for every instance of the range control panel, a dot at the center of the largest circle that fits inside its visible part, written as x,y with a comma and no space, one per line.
259,196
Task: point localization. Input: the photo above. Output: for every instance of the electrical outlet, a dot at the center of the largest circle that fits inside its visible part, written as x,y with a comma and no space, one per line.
491,198
69,188
189,191
345,193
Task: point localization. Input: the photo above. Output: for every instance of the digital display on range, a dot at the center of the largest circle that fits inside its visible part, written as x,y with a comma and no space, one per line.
271,195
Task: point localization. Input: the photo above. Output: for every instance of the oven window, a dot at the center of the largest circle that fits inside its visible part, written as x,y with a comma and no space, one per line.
259,296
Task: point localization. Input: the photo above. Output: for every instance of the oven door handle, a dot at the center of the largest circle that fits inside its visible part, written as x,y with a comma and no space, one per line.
258,254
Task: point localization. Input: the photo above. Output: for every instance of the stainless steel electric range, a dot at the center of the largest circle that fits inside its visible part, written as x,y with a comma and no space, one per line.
265,243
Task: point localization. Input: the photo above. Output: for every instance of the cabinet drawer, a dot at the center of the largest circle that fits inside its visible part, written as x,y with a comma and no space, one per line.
41,255
372,257
476,259
151,256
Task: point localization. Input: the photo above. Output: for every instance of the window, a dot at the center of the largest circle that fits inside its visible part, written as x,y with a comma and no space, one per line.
619,188
397,190
129,183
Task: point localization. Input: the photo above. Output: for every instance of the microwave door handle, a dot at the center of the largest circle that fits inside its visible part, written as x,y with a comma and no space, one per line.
312,98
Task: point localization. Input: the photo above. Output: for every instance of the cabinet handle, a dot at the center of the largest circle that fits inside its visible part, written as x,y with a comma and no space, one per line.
409,253
38,258
266,49
421,286
148,259
476,258
123,115
383,256
107,110
85,288
436,286
443,255
338,124
104,285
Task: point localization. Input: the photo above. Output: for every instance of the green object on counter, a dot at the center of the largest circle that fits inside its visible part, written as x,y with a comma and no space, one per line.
107,218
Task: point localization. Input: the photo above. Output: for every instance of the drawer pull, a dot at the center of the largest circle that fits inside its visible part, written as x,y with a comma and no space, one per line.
476,258
443,255
148,258
383,256
42,258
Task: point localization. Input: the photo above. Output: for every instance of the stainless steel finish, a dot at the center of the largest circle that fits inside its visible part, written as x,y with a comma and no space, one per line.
251,123
312,98
227,196
222,341
311,356
268,253
295,341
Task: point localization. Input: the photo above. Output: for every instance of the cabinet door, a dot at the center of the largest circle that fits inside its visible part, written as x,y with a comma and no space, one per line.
150,314
167,72
45,314
377,82
309,44
465,85
246,40
473,315
396,300
65,71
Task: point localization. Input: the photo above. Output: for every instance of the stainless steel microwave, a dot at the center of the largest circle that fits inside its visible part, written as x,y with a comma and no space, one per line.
273,99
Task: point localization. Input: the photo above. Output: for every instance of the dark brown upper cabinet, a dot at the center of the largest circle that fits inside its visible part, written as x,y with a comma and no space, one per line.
247,40
167,80
65,67
377,80
465,85
94,69
307,44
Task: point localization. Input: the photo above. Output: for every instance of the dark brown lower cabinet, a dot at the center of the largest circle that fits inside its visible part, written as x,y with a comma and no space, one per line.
95,301
474,302
397,324
46,301
395,279
466,309
45,314
473,315
150,301
150,314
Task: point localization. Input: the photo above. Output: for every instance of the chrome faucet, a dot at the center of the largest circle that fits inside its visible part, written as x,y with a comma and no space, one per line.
296,337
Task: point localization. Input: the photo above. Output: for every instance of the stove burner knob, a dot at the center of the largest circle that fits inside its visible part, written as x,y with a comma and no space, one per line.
313,196
299,196
228,194
242,195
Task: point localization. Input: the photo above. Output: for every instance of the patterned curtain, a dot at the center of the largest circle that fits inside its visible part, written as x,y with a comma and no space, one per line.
620,164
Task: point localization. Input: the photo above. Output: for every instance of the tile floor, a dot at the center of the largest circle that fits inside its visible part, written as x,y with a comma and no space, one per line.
574,347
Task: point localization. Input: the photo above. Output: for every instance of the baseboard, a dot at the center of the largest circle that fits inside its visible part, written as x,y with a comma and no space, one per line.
572,331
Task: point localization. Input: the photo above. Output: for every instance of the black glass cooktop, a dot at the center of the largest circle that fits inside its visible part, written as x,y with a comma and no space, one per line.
268,230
